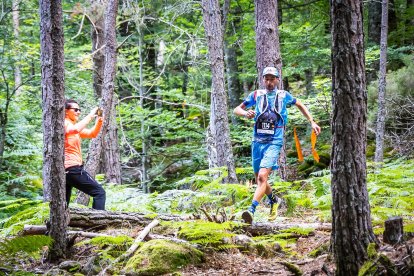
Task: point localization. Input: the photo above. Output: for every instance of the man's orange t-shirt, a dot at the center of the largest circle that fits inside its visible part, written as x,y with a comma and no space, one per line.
73,151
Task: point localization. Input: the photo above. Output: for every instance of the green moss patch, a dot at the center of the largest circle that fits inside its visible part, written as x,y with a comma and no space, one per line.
158,257
110,247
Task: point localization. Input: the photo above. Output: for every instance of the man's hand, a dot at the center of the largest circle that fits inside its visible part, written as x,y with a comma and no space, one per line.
249,114
316,128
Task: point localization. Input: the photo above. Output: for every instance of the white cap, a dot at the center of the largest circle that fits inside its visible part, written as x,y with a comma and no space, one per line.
270,71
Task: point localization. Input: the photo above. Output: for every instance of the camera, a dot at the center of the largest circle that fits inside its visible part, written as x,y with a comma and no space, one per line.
99,112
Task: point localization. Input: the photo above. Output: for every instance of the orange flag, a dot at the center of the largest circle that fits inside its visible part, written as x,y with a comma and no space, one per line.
297,143
313,143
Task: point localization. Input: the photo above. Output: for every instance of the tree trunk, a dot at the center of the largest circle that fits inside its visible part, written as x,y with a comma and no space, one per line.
110,156
98,41
96,148
53,97
267,38
230,57
351,220
374,22
232,70
112,160
144,173
382,108
268,52
309,81
16,31
3,125
219,124
393,230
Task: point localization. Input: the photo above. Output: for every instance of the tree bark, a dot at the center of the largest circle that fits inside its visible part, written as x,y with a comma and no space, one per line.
219,124
232,71
374,22
110,156
90,218
16,32
351,220
267,38
98,41
382,108
144,160
268,52
96,148
393,232
53,98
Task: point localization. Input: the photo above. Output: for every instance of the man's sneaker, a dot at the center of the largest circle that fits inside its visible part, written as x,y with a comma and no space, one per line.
274,205
247,216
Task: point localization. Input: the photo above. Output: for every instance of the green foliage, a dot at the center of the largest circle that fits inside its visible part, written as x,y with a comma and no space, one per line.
285,241
409,228
319,251
10,207
157,257
298,231
29,244
110,247
33,215
207,234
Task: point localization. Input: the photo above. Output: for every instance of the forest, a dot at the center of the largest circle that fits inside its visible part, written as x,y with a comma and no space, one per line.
173,158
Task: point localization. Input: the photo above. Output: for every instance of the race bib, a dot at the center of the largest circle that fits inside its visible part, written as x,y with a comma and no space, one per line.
265,128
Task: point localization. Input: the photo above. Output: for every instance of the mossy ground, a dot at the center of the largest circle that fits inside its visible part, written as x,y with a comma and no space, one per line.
158,257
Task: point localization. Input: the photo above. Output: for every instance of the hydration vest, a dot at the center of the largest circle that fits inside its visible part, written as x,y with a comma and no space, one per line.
269,117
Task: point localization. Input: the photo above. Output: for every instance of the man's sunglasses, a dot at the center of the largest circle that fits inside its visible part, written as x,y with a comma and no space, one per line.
75,109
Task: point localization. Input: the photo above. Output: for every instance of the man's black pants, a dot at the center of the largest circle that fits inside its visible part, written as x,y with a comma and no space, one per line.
77,177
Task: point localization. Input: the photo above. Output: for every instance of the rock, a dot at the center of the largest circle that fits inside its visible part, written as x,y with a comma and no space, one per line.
71,266
243,240
54,271
157,257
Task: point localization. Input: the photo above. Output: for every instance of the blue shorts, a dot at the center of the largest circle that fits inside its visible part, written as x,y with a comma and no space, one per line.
265,156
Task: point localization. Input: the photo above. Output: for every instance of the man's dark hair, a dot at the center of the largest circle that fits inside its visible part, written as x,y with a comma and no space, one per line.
69,102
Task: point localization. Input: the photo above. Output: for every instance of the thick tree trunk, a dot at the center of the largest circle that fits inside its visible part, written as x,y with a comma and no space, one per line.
219,124
382,108
110,156
53,97
268,52
267,38
351,220
96,146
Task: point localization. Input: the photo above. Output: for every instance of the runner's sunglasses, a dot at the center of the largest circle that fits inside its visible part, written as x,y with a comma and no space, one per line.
75,109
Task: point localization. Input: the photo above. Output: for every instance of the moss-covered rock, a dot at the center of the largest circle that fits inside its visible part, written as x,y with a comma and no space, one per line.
158,257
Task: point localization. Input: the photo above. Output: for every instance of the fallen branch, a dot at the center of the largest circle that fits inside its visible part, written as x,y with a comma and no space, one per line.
42,230
87,218
258,229
133,247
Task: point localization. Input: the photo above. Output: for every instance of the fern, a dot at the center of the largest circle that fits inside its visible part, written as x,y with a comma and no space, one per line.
29,244
34,215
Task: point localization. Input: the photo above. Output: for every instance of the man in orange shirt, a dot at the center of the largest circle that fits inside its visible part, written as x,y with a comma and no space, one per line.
76,176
